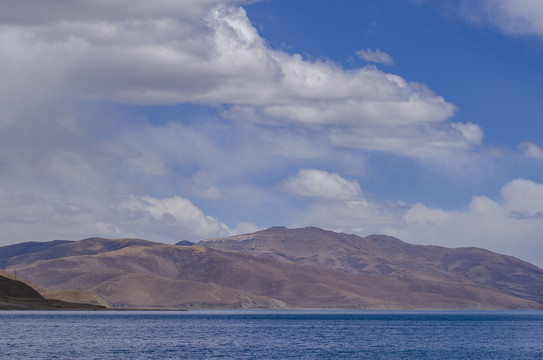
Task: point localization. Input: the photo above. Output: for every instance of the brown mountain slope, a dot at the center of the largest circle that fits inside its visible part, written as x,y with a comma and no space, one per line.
29,252
70,296
10,288
16,295
149,274
387,256
128,277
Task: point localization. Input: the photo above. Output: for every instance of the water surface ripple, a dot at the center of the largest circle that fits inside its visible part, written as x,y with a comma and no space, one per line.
271,335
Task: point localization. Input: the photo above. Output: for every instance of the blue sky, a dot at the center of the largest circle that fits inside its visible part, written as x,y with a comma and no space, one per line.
193,119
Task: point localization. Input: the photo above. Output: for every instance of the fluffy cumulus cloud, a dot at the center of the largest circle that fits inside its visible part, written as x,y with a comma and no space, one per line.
74,165
174,215
165,54
338,203
80,204
322,185
375,56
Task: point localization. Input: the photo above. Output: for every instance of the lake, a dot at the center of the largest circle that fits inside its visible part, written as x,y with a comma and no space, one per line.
263,334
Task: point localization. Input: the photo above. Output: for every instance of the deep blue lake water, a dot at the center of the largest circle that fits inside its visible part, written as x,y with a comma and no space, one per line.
271,335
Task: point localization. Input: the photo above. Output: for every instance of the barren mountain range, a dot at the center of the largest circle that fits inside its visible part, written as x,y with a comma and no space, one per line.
389,257
277,268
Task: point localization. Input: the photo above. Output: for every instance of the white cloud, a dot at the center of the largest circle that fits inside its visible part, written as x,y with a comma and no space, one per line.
375,56
35,12
245,228
339,204
515,17
320,93
322,185
511,225
74,166
209,53
178,215
419,142
523,198
39,215
531,150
